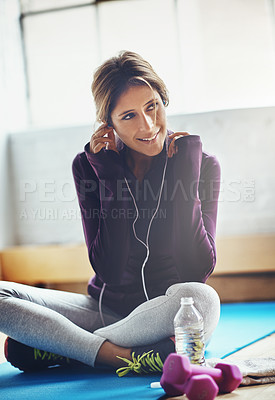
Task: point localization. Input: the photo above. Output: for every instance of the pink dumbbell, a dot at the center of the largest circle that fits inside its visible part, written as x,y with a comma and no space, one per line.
198,387
201,387
177,370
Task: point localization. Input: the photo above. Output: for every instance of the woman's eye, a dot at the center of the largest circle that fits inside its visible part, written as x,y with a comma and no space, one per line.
152,106
128,116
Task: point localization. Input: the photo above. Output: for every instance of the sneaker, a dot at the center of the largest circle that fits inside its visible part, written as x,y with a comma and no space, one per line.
148,359
28,359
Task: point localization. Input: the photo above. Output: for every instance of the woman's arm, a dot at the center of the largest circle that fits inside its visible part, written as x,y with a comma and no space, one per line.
197,210
209,188
101,196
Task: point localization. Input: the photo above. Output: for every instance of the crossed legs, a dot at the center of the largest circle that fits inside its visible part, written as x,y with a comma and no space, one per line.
69,324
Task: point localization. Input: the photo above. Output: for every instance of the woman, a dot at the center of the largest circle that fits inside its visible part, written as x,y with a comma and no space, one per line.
148,199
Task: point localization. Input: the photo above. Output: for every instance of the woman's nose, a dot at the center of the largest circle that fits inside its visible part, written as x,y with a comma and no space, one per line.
146,123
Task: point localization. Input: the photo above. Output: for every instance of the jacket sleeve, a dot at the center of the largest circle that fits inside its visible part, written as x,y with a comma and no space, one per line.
101,194
201,181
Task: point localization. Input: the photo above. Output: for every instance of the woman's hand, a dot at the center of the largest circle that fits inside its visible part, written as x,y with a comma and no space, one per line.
103,137
173,149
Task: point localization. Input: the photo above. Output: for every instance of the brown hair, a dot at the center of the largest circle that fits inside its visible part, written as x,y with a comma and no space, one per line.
116,75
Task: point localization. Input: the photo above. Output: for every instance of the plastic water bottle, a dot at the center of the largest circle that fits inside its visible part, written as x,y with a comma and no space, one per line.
189,332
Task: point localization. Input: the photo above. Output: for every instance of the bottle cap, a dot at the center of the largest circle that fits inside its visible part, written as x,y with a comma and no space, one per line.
186,300
155,385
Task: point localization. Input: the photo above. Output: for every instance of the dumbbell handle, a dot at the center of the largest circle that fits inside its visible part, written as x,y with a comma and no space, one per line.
215,373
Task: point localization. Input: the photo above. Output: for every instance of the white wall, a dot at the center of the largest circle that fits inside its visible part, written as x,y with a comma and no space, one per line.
45,204
244,142
13,109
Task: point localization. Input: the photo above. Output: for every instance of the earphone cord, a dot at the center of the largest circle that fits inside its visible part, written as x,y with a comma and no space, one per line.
100,304
141,241
149,226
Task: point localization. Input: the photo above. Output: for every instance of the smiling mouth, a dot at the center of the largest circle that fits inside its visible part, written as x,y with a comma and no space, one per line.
149,139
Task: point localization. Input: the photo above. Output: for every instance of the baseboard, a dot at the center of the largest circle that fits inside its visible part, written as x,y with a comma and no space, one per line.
244,287
245,267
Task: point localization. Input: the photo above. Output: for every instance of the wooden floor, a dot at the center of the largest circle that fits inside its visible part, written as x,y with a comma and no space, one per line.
262,348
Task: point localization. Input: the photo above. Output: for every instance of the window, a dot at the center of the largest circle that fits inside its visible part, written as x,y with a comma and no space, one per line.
212,54
228,57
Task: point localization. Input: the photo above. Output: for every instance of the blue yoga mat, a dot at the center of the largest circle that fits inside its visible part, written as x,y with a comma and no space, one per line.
240,325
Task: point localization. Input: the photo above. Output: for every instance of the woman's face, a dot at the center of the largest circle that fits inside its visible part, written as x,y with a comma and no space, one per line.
139,119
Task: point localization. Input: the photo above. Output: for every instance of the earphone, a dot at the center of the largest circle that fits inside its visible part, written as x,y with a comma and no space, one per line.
146,244
149,226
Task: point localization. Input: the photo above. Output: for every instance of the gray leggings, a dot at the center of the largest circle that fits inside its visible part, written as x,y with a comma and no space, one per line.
69,324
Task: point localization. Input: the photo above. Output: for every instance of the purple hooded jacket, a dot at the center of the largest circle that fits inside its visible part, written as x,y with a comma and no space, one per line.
182,235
